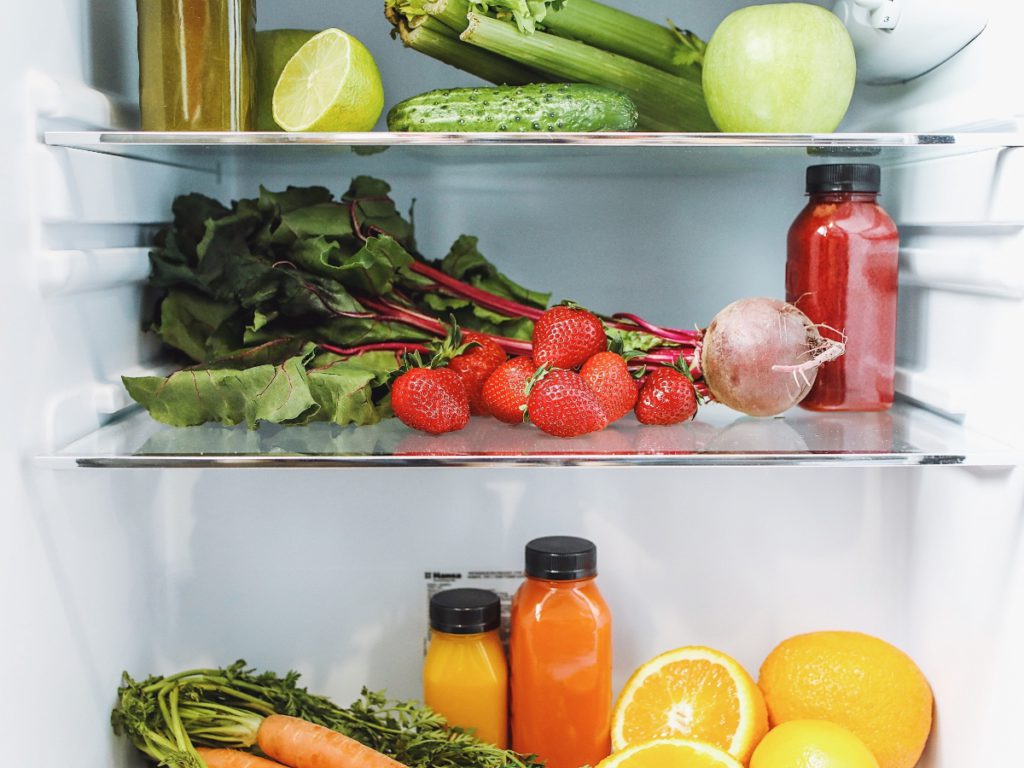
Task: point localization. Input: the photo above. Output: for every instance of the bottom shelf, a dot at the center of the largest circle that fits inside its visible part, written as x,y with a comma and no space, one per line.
904,436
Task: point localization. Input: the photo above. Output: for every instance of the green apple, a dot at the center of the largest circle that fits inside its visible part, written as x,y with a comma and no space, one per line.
784,68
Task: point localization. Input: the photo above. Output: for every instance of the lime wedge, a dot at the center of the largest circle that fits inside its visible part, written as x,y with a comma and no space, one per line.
331,84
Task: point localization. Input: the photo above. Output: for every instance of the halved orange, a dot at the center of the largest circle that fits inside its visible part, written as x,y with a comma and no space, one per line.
670,753
692,693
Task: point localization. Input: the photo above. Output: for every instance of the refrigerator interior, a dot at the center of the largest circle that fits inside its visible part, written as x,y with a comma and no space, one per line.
324,571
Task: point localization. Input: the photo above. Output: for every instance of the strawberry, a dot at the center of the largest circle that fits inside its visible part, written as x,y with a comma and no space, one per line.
561,404
475,365
566,335
504,392
666,397
432,400
610,380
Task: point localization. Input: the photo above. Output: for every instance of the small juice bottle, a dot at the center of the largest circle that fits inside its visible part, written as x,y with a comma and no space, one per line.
561,656
465,675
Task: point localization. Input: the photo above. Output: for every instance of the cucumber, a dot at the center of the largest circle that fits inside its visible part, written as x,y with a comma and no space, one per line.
571,107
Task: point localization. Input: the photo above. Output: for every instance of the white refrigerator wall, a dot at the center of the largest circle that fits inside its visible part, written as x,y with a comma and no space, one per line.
324,571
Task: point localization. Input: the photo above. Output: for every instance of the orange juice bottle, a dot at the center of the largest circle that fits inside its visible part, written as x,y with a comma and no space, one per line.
561,656
465,675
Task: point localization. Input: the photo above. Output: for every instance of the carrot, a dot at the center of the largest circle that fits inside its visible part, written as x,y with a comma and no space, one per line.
301,744
233,758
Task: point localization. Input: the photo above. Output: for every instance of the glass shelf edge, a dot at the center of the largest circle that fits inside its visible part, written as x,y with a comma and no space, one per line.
98,140
905,436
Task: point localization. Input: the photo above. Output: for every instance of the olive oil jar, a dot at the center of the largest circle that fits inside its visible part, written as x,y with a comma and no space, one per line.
197,64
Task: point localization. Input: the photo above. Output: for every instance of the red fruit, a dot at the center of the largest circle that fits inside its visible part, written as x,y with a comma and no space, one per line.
562,404
475,365
666,397
431,400
504,392
565,337
610,380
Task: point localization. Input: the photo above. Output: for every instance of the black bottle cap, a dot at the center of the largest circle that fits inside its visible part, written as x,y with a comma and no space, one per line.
561,558
465,611
852,177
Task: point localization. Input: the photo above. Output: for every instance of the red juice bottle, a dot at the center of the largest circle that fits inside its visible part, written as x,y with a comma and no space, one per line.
841,271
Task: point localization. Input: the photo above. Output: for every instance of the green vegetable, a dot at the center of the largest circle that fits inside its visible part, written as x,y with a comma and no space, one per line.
665,102
431,37
167,717
283,382
678,52
526,108
295,305
658,67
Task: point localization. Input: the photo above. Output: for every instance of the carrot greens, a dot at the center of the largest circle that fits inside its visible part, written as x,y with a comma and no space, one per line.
168,717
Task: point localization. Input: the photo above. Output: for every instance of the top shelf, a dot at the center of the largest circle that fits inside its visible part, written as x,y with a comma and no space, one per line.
109,140
204,148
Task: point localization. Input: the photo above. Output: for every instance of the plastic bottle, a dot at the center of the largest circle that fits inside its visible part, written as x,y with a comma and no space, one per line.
841,271
561,656
465,675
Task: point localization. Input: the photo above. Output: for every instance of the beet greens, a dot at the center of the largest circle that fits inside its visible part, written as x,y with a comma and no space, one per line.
294,307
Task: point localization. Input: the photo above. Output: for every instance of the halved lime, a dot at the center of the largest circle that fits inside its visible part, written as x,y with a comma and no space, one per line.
274,49
331,84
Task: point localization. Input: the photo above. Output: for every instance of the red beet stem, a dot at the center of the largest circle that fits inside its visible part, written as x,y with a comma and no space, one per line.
668,334
476,295
384,346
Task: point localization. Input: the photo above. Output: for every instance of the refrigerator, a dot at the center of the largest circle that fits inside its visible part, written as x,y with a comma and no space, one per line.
130,546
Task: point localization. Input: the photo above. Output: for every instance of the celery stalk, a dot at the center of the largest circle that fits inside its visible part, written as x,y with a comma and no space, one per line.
665,102
678,53
451,13
439,42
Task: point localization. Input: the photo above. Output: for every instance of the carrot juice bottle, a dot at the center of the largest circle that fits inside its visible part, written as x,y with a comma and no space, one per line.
560,653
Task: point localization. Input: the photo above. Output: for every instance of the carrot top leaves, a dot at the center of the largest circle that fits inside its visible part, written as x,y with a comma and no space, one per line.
167,717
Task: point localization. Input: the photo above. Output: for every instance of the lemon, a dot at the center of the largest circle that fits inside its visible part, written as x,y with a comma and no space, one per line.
331,84
857,681
671,753
693,693
811,744
274,49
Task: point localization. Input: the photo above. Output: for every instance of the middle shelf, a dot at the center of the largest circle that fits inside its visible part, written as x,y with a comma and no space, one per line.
904,436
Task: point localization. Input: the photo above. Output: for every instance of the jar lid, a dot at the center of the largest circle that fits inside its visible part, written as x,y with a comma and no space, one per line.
561,558
465,611
852,177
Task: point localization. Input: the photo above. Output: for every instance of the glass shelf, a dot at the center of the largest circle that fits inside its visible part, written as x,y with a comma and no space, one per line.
672,152
904,436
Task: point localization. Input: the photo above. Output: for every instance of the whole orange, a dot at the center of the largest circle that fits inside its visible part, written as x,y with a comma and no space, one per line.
858,681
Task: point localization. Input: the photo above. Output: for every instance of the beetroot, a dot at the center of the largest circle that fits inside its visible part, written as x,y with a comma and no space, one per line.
761,356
